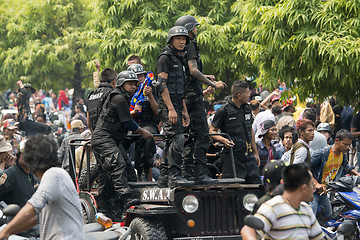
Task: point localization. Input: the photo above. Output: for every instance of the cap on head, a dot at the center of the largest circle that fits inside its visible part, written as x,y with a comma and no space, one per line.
324,127
137,69
272,172
287,103
125,76
265,126
275,98
9,124
177,31
77,124
187,21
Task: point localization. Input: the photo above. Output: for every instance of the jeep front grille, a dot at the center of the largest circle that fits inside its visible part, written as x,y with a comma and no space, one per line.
219,213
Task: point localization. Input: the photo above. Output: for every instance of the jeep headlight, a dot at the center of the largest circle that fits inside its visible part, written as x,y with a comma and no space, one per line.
190,203
249,201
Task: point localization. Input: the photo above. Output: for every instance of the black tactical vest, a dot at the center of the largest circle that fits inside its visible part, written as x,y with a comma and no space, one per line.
147,115
176,75
194,86
108,119
239,127
96,99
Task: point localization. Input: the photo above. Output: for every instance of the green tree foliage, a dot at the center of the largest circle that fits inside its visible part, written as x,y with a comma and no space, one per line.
121,28
42,44
313,45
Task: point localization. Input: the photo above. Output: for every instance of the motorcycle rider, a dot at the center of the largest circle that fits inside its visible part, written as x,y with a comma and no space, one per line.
173,112
146,115
288,216
196,146
328,164
56,204
108,138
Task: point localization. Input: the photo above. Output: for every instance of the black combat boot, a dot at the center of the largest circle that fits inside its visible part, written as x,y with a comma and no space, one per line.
200,176
175,179
163,178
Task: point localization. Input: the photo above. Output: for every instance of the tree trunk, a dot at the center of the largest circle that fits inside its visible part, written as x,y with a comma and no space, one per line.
76,82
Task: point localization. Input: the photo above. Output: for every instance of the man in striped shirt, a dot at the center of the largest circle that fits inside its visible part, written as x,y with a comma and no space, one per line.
288,216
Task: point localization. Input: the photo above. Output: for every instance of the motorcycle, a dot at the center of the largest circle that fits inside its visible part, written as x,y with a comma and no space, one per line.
345,200
93,231
9,211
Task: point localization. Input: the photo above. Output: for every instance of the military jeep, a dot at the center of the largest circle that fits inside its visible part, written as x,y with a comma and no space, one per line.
195,212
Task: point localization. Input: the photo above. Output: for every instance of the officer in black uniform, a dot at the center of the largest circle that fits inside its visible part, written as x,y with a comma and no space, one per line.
17,184
109,134
234,118
95,101
194,155
96,98
146,115
173,112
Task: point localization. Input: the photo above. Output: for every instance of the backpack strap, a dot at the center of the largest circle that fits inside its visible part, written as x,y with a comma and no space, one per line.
297,146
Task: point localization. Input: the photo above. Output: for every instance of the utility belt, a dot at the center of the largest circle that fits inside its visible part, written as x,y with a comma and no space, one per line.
241,148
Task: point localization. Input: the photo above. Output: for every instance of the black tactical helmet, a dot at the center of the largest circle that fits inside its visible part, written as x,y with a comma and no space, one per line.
125,76
187,21
178,31
137,69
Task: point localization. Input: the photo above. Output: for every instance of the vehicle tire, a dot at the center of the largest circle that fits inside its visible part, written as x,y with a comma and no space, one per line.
87,211
147,229
93,175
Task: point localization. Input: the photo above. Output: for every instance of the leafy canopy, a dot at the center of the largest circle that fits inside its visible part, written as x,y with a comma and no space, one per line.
312,45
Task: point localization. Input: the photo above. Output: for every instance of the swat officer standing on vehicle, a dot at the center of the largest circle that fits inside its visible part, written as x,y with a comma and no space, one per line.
146,115
234,118
96,98
194,155
108,137
95,102
173,112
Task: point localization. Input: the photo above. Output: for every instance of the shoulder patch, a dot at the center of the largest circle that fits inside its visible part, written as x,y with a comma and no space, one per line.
3,178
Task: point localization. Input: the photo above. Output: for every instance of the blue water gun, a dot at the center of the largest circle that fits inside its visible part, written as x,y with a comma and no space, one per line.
139,96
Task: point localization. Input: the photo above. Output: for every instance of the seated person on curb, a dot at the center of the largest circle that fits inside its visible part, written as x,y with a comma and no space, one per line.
288,216
17,184
330,164
55,204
